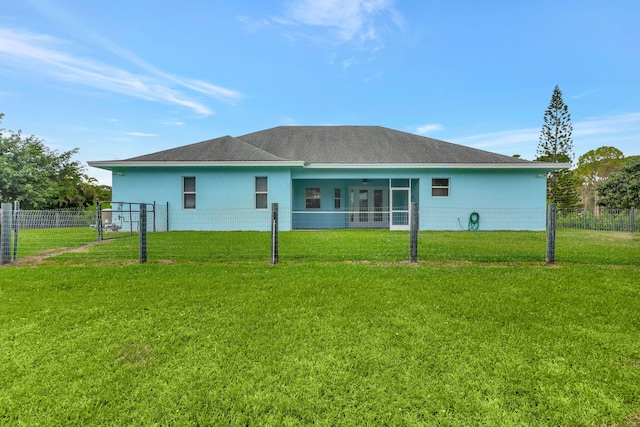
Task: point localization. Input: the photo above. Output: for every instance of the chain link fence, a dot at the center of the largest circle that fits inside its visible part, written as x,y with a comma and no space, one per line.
111,235
599,219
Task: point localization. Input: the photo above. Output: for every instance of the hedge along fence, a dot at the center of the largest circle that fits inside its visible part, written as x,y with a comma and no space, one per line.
600,219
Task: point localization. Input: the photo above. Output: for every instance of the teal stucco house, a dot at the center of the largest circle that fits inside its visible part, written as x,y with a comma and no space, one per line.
333,177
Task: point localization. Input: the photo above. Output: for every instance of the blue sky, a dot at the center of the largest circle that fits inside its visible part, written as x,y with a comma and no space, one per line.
122,78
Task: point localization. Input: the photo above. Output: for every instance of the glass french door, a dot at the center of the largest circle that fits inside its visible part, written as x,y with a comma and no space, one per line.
369,207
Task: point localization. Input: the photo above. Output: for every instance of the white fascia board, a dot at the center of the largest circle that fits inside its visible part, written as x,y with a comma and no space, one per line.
109,164
532,165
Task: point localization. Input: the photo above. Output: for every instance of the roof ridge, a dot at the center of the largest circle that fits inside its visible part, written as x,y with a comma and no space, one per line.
257,148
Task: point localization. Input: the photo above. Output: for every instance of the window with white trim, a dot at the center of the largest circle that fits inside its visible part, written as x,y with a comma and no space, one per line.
312,197
337,204
189,192
440,187
261,192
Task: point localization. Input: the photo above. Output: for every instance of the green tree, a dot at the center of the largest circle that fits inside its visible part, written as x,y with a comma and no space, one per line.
556,146
594,168
36,176
622,189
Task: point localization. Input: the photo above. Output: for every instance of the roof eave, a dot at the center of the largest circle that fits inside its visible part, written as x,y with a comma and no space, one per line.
529,165
110,164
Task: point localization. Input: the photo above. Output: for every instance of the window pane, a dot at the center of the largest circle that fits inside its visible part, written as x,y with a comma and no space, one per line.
440,192
189,201
377,205
261,184
312,198
189,184
364,205
261,201
312,193
440,182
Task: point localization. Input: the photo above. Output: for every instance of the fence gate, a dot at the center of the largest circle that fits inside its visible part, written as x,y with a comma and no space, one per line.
124,218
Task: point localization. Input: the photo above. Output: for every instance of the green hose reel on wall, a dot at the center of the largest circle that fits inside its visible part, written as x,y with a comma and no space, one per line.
474,221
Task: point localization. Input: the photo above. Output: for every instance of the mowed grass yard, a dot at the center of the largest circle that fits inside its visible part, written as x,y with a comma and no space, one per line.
480,332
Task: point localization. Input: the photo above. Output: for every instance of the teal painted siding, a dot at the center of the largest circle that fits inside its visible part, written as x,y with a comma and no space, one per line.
504,198
225,197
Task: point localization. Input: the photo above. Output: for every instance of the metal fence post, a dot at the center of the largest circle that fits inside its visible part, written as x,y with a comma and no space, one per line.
16,227
413,234
586,221
274,233
632,221
99,220
551,234
5,236
143,233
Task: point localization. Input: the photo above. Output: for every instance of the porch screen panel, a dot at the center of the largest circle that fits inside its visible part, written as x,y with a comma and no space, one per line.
400,208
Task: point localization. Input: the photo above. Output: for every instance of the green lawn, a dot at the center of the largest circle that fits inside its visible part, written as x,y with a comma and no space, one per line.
573,246
480,332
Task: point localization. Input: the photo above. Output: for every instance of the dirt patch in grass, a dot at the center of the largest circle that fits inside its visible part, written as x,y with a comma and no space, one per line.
37,259
630,421
133,353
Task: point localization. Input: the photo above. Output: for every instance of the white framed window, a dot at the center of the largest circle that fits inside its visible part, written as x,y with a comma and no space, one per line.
189,192
337,204
440,187
261,192
312,197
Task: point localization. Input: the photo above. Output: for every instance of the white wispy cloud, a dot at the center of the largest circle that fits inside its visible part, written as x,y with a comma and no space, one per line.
358,22
621,131
428,128
54,58
141,134
173,123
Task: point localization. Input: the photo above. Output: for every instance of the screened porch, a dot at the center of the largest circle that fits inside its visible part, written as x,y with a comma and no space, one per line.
353,203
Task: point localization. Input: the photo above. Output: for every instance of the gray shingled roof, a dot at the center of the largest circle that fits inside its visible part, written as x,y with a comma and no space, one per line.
226,148
330,144
364,144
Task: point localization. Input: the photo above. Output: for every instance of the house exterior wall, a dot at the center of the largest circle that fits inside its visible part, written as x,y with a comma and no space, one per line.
505,199
225,196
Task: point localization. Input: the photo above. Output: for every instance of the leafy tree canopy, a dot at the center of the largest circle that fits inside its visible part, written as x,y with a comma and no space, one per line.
41,178
595,167
598,164
622,189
